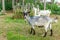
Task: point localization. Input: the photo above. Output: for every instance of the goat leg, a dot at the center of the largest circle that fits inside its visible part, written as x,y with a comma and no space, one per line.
45,34
51,32
31,31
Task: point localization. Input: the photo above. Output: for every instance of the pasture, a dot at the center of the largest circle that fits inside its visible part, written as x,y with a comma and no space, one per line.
18,29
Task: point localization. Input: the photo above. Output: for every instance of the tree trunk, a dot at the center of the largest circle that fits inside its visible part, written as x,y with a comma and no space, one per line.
3,5
23,4
13,4
44,4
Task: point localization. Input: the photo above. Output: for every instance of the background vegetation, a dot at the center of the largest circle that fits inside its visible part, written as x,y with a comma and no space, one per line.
53,7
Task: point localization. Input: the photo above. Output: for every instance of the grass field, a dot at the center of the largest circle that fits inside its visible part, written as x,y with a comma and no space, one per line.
17,29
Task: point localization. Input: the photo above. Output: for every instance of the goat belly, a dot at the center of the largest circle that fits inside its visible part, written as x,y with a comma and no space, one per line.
39,24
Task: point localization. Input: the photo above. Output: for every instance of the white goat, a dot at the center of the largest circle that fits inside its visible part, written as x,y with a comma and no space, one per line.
41,12
39,21
45,12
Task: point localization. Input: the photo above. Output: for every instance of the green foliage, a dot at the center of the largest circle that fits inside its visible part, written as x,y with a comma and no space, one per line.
0,6
8,4
31,13
41,6
29,1
54,8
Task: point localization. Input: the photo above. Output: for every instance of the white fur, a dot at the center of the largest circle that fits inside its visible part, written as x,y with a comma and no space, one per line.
46,22
45,12
38,12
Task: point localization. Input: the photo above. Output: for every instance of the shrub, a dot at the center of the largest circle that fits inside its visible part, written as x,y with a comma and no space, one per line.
55,9
18,13
8,4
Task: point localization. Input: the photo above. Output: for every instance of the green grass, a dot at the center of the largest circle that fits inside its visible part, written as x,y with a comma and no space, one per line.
13,36
17,29
9,19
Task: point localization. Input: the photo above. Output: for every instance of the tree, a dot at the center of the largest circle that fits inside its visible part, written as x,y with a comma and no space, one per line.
44,4
23,3
13,4
3,5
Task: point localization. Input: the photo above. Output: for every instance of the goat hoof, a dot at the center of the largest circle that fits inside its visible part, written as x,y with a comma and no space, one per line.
50,35
45,34
30,33
33,33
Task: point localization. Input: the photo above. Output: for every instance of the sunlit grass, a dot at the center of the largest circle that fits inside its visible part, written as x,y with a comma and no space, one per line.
18,29
9,19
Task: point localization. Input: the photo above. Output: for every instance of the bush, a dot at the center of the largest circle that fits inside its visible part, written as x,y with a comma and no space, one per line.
8,4
53,7
18,14
31,13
